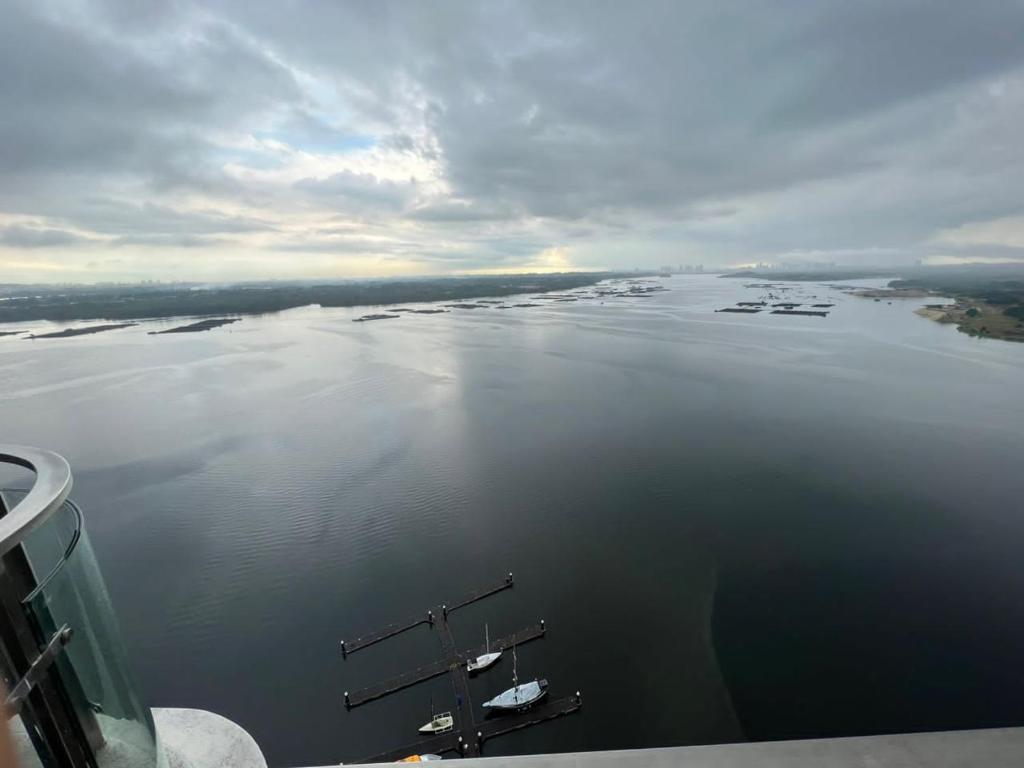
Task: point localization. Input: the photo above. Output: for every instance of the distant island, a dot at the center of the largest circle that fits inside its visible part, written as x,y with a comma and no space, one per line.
988,299
198,327
22,303
87,331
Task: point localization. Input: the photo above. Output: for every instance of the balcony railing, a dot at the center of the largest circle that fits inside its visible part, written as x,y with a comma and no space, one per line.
69,690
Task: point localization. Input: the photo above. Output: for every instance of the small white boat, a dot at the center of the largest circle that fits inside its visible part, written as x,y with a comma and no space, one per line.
481,663
518,696
440,723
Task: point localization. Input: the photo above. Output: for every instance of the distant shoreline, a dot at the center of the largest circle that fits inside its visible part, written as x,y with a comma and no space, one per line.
121,303
988,301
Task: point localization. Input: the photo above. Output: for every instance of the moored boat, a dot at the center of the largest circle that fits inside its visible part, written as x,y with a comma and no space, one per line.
485,660
519,696
439,723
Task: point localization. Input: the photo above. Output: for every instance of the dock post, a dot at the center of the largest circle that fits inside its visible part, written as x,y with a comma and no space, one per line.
344,650
430,618
462,746
479,739
348,704
509,577
444,612
542,627
579,698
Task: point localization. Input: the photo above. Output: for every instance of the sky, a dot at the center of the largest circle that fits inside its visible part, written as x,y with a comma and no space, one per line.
178,140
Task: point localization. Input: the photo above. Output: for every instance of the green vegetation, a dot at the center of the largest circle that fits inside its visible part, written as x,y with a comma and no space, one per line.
989,298
198,327
989,302
19,303
86,331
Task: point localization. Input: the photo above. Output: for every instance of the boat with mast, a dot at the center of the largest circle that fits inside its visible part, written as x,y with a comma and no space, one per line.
519,696
481,663
438,723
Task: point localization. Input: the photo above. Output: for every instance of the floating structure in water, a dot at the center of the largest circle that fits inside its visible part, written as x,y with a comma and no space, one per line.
467,734
365,318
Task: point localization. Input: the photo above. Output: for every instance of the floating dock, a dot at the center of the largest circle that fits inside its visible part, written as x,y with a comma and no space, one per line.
469,734
468,742
372,638
804,312
441,666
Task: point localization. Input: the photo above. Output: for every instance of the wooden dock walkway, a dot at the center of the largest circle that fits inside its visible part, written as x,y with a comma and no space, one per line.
480,594
470,732
493,727
436,745
351,646
438,612
475,735
450,662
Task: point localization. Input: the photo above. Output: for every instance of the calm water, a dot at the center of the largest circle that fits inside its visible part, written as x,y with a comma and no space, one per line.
734,526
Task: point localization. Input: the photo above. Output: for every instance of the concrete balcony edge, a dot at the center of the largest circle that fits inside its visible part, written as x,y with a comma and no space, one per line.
195,738
992,748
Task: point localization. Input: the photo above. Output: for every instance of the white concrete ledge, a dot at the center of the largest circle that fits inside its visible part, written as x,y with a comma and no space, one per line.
994,748
194,738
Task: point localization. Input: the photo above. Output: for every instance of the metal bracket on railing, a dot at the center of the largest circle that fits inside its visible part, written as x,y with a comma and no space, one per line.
38,668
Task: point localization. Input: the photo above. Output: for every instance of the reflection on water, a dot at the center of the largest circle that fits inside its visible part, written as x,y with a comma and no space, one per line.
734,526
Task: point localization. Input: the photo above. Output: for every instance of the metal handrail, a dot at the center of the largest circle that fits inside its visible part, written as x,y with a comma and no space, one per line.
50,489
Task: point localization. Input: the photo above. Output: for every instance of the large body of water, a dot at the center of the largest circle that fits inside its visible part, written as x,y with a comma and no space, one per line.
734,526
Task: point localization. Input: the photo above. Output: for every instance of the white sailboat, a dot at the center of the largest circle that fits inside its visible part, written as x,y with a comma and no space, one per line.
518,696
481,663
438,723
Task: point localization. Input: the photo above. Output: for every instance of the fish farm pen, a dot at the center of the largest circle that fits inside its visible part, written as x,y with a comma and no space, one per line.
469,732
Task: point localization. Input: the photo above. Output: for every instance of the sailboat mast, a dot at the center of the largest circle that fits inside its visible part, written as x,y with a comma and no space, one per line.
515,672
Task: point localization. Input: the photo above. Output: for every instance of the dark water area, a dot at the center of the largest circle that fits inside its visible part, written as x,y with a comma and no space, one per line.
734,526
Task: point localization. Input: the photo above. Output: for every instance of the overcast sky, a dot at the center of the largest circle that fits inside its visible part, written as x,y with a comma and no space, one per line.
218,140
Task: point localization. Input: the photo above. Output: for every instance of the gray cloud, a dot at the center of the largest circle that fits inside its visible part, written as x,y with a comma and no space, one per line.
461,211
80,96
723,131
174,241
31,237
357,191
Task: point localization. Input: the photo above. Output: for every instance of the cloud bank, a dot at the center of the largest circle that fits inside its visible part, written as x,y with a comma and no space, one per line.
231,139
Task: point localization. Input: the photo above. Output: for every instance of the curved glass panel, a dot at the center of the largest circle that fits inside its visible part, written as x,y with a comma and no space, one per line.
93,665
